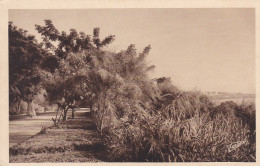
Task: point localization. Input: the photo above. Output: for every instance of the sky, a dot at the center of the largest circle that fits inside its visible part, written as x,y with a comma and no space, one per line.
200,49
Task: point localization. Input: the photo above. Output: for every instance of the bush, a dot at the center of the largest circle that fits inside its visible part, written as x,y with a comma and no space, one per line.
186,106
226,108
247,112
183,131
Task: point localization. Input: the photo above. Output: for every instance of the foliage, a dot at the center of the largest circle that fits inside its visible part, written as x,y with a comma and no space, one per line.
247,112
73,42
26,58
75,141
140,119
184,136
77,56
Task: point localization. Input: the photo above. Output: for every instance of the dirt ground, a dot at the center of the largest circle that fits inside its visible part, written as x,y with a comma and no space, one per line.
23,127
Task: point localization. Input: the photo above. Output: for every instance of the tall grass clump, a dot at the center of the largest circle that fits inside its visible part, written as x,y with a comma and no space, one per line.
183,131
143,120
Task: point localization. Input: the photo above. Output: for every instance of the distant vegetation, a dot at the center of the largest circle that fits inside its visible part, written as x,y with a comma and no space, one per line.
238,98
223,95
139,119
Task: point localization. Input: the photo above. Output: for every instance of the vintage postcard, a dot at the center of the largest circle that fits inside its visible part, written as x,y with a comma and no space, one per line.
129,82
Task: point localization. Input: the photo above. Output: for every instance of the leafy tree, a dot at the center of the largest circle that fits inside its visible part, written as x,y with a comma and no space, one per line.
126,91
26,57
102,70
73,42
75,58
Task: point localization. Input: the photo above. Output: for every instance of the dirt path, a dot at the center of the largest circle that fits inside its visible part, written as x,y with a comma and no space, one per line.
22,128
75,140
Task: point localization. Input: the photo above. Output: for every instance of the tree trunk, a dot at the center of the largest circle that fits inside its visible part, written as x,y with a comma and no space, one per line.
18,106
55,121
65,114
30,109
72,114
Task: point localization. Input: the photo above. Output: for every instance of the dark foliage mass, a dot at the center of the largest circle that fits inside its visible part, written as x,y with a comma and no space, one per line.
26,62
139,119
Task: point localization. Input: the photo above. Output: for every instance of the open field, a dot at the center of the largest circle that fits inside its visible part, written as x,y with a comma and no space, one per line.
235,97
236,100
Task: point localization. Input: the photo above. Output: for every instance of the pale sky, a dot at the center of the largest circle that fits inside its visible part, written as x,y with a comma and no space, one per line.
205,49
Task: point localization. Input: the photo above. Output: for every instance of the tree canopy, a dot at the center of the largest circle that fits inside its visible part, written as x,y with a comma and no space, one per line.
26,61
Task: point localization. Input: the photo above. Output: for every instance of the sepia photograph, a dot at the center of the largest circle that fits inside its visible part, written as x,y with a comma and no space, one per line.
132,85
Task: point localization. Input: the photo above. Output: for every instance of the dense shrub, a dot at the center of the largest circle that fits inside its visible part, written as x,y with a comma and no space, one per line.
182,132
247,112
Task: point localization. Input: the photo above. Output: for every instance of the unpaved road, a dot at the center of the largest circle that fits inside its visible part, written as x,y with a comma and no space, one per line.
23,127
76,140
